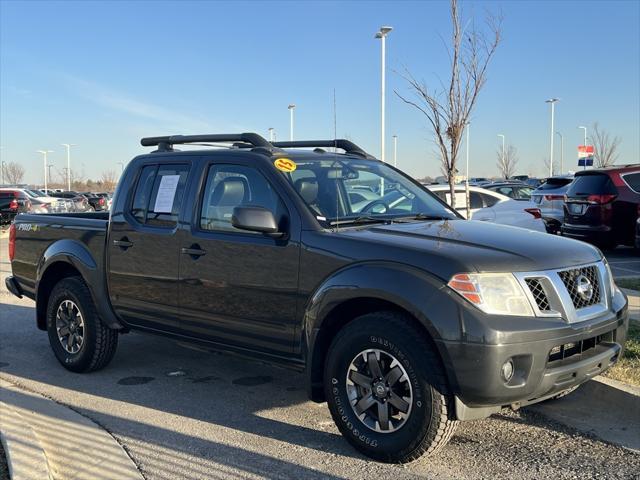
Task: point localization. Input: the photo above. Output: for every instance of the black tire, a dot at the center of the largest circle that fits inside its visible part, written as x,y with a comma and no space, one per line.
430,423
99,342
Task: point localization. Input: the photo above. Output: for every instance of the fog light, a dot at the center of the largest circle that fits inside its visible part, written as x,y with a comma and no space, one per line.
507,370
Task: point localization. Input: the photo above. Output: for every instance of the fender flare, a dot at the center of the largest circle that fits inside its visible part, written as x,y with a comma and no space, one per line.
77,255
421,294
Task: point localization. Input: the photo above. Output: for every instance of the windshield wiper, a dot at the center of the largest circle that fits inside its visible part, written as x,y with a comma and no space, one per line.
427,216
363,219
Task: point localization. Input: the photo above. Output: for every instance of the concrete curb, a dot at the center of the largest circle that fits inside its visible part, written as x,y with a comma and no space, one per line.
605,408
72,446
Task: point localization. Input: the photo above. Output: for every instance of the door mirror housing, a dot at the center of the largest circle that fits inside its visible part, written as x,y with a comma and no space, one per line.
255,219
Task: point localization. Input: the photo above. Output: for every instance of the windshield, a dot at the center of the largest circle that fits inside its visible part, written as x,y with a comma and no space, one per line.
342,191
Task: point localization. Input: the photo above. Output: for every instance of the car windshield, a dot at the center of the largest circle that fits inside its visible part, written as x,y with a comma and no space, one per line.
343,191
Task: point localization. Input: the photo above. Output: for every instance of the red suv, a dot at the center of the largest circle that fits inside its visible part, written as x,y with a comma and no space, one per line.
602,206
13,202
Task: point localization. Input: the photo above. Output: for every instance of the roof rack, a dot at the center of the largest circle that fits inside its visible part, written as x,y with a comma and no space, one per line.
166,143
346,145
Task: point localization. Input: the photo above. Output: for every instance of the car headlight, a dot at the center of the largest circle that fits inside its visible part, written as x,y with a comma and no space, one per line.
493,293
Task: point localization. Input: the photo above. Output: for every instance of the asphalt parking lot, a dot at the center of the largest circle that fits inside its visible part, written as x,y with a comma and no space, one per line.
624,262
181,412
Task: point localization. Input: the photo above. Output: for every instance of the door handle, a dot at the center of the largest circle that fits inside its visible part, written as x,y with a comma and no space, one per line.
123,243
195,251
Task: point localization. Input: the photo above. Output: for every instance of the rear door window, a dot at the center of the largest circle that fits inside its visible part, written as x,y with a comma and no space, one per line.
158,195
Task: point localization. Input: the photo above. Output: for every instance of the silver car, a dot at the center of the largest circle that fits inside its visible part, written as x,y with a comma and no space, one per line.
549,198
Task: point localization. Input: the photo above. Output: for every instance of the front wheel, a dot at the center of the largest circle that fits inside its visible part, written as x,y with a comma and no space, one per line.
386,389
78,338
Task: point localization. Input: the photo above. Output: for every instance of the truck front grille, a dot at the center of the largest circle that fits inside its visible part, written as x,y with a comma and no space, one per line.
539,295
583,285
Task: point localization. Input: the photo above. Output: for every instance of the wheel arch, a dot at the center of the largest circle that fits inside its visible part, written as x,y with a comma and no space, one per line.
67,258
406,291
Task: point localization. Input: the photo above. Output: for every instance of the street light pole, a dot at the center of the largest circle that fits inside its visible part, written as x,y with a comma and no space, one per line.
68,146
395,150
44,155
502,161
584,165
291,107
552,101
382,35
271,134
466,188
561,152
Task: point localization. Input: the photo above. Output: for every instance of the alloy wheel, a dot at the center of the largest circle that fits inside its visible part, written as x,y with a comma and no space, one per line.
70,326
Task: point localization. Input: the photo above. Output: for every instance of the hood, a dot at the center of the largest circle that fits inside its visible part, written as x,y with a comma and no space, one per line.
453,246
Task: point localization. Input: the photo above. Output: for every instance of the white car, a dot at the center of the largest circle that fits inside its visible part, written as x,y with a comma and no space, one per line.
490,206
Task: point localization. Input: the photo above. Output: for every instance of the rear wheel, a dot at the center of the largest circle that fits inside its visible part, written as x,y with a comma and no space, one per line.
79,339
386,389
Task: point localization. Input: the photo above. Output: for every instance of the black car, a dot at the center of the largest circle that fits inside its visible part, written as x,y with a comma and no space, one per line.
405,317
80,203
96,202
601,206
13,202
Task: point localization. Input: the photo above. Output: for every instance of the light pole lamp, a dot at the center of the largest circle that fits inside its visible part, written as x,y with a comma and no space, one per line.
382,35
291,107
552,101
68,146
44,155
561,152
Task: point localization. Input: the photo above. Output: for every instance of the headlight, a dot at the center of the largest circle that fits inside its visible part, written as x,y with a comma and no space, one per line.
493,293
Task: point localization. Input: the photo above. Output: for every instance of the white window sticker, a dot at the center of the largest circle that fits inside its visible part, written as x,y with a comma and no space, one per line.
166,193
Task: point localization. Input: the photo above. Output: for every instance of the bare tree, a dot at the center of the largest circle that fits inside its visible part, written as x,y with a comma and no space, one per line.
605,147
108,179
13,173
547,165
507,162
448,109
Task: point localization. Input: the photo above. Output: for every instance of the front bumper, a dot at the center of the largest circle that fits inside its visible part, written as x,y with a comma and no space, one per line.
587,349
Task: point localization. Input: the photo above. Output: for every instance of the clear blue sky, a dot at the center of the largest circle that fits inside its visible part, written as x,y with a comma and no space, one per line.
104,74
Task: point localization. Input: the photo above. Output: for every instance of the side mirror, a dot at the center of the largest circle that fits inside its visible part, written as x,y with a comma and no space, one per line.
255,219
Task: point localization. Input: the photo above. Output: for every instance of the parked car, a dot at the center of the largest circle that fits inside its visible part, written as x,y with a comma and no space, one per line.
13,202
405,319
602,205
80,203
513,190
479,181
53,205
97,203
549,198
490,206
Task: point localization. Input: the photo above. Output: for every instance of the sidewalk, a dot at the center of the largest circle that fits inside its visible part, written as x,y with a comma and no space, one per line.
45,440
634,303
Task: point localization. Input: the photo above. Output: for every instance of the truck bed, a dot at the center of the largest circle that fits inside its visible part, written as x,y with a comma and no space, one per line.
81,233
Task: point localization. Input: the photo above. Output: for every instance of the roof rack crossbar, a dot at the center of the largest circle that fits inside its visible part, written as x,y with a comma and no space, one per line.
347,145
166,143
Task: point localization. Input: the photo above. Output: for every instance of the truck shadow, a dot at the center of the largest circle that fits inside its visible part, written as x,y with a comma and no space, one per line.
158,374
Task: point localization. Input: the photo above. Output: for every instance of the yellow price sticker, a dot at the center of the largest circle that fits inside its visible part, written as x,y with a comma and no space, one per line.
285,165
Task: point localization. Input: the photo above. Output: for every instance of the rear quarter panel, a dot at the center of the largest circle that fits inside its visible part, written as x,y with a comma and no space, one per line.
41,239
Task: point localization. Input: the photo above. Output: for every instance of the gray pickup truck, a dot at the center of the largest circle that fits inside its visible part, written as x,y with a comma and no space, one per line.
405,318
